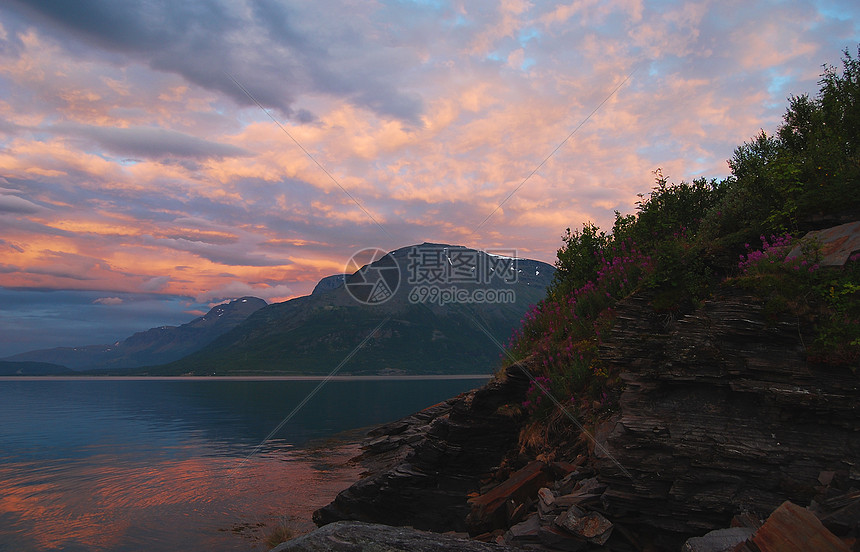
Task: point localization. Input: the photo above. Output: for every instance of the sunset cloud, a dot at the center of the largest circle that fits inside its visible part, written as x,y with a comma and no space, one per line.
232,290
151,142
17,205
109,301
135,159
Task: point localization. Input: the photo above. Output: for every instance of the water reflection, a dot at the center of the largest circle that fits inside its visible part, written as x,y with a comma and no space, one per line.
159,465
106,503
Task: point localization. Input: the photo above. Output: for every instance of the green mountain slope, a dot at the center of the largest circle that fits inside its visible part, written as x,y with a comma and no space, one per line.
313,334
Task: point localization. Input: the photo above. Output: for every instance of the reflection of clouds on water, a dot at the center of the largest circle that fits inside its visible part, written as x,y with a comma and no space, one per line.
108,502
158,465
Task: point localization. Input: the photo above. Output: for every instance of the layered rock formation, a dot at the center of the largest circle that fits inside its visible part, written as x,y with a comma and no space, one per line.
721,419
423,467
721,414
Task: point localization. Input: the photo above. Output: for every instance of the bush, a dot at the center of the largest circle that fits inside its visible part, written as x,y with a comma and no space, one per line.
684,239
826,298
578,259
563,332
280,534
807,172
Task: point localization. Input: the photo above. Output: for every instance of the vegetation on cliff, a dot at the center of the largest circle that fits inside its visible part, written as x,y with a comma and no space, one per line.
687,239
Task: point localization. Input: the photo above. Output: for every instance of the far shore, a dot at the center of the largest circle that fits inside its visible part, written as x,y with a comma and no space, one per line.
89,377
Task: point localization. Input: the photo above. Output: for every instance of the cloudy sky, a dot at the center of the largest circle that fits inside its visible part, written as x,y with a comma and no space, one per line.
141,181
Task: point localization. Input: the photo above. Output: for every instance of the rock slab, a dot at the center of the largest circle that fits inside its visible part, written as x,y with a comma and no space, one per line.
354,536
422,476
794,529
488,511
719,540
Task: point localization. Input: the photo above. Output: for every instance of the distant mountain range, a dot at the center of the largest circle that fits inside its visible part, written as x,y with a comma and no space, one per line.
154,346
423,309
23,368
313,334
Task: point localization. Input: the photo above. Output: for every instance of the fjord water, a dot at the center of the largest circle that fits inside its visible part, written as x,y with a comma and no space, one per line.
182,464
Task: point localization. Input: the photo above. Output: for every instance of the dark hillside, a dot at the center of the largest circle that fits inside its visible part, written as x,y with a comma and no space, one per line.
314,334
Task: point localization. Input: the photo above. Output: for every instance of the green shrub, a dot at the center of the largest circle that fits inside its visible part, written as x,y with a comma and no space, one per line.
684,239
826,298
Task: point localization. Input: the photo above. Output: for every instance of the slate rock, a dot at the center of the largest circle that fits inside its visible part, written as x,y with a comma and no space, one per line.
354,536
561,469
591,525
487,510
546,496
421,468
791,528
840,513
719,540
722,412
525,531
557,539
577,499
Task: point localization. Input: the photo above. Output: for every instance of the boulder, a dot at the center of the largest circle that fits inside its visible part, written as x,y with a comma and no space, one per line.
791,528
719,540
837,243
353,536
488,510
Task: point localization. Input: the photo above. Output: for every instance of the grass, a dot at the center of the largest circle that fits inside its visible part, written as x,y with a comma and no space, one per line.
279,535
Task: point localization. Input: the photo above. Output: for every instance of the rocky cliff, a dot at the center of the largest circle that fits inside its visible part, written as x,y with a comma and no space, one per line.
722,414
421,468
721,419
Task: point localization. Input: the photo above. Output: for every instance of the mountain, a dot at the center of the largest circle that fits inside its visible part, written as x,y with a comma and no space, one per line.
153,346
329,283
409,294
8,368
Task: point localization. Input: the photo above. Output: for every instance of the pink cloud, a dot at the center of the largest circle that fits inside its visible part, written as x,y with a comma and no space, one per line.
121,168
234,290
19,205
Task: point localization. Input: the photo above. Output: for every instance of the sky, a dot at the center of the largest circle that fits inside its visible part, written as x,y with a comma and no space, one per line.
159,157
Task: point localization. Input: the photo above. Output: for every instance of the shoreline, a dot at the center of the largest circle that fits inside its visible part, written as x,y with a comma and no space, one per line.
418,377
335,456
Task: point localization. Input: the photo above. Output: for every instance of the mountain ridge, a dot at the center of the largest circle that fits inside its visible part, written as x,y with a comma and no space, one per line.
153,346
420,334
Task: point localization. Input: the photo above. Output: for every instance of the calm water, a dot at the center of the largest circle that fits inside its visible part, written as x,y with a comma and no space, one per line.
122,465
